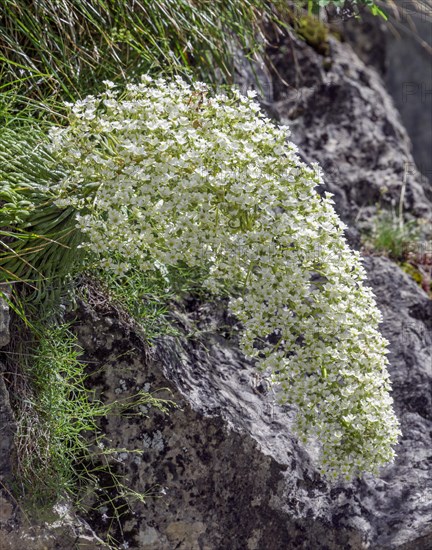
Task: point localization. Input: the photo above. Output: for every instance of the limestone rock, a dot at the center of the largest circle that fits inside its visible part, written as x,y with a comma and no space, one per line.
401,50
225,469
341,116
4,316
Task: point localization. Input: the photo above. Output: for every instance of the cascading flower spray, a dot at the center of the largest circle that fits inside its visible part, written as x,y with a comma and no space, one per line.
165,173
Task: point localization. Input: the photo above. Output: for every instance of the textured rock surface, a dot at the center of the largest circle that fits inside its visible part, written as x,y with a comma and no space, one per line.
341,116
58,533
7,431
4,316
401,50
227,470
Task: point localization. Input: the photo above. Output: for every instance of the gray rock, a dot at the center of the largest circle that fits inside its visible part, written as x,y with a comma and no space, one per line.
225,468
401,50
8,506
4,316
65,533
400,501
341,116
7,431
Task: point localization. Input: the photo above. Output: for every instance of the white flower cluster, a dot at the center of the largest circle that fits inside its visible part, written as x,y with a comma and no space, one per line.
163,173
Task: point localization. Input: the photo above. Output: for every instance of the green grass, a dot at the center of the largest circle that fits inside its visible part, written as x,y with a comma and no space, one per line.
62,50
38,240
140,299
58,441
147,298
391,237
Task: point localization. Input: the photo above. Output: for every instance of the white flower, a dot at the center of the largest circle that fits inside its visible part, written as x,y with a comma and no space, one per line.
209,181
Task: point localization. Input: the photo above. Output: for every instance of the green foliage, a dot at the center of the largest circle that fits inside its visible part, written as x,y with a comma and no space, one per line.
344,4
407,243
314,32
391,236
147,297
56,51
66,49
39,241
59,449
413,272
144,298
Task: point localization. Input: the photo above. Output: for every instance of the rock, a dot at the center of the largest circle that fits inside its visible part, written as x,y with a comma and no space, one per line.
8,429
62,531
6,509
62,536
4,315
400,499
401,51
341,116
225,469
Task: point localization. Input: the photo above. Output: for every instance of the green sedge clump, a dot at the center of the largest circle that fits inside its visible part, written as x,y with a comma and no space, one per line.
165,174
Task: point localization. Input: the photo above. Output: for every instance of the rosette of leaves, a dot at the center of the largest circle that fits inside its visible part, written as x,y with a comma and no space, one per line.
38,240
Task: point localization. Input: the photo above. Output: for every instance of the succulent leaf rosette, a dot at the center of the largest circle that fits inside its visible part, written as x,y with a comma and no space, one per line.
166,173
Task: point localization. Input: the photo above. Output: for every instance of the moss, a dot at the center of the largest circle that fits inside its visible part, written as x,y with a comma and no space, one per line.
413,272
314,33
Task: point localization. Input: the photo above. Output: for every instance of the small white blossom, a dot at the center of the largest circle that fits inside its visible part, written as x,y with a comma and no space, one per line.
164,174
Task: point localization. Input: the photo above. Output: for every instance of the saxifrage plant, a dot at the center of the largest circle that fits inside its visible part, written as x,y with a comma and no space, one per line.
165,175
